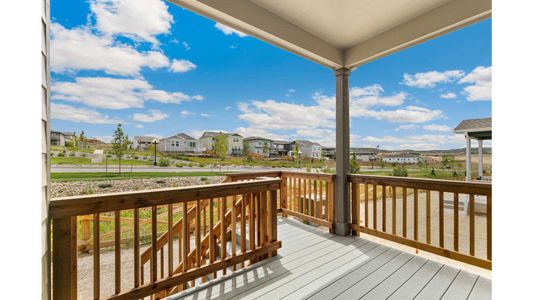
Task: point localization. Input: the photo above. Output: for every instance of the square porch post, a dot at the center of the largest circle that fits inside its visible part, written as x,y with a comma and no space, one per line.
342,204
480,158
468,159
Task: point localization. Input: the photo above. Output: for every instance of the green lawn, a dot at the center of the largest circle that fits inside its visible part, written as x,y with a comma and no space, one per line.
67,176
71,160
421,173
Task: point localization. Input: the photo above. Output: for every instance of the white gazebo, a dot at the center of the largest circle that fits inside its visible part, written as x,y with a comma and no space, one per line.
480,130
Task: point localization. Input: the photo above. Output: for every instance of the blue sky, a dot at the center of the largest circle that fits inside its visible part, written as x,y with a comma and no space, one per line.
159,69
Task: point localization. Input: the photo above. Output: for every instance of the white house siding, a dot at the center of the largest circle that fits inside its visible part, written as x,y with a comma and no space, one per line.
177,144
235,144
401,160
258,147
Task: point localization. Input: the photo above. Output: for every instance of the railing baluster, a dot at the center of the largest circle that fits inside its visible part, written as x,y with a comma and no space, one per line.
162,260
136,250
305,199
415,215
223,231
374,206
321,201
117,252
298,204
428,217
198,237
252,221
185,238
441,219
404,212
243,225
315,203
384,208
394,210
211,236
272,220
456,221
489,227
472,209
366,205
355,207
153,261
96,256
170,250
233,230
327,201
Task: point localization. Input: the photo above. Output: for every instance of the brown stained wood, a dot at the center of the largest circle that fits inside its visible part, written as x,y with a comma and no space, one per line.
197,238
273,224
472,221
233,230
441,219
404,212
242,240
136,250
117,252
298,203
96,257
185,239
162,261
332,204
189,275
366,205
284,193
252,221
394,210
170,243
64,258
307,175
415,214
305,198
316,201
153,261
428,217
90,204
223,230
355,206
472,260
374,207
310,219
211,235
456,221
327,217
384,207
489,227
321,201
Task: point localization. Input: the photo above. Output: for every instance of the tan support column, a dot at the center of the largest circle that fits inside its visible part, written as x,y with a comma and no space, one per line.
468,159
342,204
480,158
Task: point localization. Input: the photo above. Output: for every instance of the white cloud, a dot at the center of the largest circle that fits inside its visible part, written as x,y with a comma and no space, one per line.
139,126
435,127
151,116
481,88
448,95
227,108
406,127
205,115
114,93
140,20
228,30
431,78
417,142
80,115
80,49
186,113
371,96
247,131
409,114
181,66
104,138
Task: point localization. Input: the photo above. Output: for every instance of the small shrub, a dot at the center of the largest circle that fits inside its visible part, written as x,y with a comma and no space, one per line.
179,165
399,171
164,162
72,154
433,172
454,173
135,157
160,181
308,169
203,179
191,165
201,165
105,185
83,155
61,154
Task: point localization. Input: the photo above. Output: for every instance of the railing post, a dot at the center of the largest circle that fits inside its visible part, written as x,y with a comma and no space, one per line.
64,258
85,223
355,206
283,194
272,229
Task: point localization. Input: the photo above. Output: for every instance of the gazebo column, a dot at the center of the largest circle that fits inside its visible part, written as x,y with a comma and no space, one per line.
468,159
480,158
342,204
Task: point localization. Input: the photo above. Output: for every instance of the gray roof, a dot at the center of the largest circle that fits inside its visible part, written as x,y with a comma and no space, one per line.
256,138
401,155
215,133
281,142
144,139
474,125
185,136
364,150
306,143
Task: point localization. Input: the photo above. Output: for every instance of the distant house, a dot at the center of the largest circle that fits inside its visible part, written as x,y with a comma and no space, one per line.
142,143
57,138
260,146
307,149
180,142
401,158
329,152
282,148
235,141
365,154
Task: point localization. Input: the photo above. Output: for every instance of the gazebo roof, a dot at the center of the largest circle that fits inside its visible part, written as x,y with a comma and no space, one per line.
342,33
476,128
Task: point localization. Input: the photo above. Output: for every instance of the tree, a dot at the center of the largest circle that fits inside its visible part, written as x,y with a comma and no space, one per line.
82,140
297,154
447,161
72,141
119,145
354,166
265,149
400,171
246,151
221,146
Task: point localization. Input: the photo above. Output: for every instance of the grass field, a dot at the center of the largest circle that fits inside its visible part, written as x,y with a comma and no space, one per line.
67,176
71,160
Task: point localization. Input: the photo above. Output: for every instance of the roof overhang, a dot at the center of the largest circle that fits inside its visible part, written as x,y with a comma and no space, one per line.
342,33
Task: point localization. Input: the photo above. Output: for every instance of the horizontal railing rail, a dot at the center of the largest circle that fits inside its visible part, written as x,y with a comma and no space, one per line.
411,211
228,210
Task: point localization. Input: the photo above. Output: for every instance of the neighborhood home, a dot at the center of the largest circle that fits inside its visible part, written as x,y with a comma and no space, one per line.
142,143
401,158
282,148
365,154
180,142
328,152
57,138
235,141
307,149
260,146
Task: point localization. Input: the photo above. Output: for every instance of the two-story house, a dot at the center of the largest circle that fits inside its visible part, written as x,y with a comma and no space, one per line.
57,138
141,143
307,149
181,142
260,146
281,148
365,154
235,141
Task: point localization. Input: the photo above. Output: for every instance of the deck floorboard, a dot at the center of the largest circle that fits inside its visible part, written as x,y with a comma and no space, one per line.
314,264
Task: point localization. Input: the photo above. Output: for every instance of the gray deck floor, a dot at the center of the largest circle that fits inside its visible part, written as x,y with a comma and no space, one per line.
313,264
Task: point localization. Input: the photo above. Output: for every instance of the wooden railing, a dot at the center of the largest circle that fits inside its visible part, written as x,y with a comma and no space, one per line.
247,209
416,212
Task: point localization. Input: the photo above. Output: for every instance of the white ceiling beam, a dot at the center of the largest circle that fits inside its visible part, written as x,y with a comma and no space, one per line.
252,19
443,19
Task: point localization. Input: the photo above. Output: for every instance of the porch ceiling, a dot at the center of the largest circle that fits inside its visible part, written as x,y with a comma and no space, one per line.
342,33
